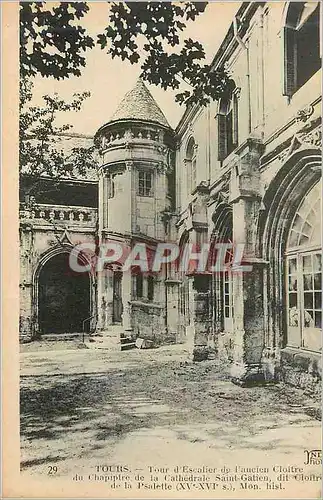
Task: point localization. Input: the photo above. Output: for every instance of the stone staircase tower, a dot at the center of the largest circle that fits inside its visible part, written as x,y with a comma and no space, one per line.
135,188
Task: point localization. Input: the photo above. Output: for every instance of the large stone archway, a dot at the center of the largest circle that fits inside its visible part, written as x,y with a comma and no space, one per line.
62,298
282,201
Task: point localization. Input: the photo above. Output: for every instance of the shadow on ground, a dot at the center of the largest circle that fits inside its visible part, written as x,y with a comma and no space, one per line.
72,417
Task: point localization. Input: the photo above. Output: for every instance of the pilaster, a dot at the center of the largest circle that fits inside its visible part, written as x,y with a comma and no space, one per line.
245,197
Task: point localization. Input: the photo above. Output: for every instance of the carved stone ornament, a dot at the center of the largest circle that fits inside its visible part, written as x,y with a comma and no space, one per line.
314,138
304,114
129,165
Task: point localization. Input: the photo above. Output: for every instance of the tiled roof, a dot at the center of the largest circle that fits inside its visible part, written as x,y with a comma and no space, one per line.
139,104
65,142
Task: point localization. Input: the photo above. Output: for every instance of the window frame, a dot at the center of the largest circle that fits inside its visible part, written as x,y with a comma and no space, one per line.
144,287
291,34
150,288
228,110
142,190
110,186
301,336
303,284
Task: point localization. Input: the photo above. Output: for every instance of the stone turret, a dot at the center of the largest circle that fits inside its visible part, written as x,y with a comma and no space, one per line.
135,190
136,146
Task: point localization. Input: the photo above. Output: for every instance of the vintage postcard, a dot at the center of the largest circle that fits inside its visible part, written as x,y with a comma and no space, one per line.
162,265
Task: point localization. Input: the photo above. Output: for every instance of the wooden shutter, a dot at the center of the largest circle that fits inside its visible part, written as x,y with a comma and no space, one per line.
289,61
222,139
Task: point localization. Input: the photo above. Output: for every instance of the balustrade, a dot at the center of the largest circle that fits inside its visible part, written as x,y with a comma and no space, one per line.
70,214
114,138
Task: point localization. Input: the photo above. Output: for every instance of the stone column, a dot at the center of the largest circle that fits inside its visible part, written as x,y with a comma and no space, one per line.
201,319
126,302
247,285
101,200
26,326
190,328
271,353
173,309
25,320
105,300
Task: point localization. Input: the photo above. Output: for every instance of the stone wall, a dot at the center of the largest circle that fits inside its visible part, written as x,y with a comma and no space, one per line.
148,322
302,369
42,236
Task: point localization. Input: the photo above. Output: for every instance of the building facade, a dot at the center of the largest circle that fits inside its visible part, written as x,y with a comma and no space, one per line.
245,170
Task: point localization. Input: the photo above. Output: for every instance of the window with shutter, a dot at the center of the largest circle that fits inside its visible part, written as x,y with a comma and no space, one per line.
227,127
222,142
301,45
289,61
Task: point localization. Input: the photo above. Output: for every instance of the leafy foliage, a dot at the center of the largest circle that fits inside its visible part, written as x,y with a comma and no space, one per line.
51,41
40,146
158,26
149,33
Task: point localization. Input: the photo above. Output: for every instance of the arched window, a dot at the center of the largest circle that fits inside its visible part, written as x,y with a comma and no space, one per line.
222,283
302,57
227,126
304,274
190,163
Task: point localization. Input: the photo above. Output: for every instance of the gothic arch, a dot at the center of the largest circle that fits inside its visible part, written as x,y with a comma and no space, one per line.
221,283
190,163
45,258
282,198
222,221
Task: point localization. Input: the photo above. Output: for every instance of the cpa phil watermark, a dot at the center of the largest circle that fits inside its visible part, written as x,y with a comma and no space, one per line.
188,258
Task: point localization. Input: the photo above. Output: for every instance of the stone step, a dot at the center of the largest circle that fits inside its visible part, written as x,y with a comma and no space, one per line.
127,345
113,338
54,337
110,342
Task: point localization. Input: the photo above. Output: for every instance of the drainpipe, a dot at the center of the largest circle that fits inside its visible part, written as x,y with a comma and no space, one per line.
209,141
244,47
262,76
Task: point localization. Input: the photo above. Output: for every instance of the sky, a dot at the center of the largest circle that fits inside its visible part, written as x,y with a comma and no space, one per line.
109,79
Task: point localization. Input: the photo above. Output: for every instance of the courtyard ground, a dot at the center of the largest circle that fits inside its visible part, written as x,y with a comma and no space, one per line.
84,408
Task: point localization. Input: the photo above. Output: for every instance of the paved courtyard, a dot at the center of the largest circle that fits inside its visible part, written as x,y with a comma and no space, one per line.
84,408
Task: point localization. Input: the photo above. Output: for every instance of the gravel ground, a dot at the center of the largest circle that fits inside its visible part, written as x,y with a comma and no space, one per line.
81,409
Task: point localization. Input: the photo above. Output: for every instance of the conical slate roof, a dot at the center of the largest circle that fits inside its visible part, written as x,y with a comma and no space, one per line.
139,104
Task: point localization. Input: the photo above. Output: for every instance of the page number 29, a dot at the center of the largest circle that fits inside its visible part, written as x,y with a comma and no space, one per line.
52,469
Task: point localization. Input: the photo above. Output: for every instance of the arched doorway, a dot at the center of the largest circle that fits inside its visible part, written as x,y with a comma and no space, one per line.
63,297
282,219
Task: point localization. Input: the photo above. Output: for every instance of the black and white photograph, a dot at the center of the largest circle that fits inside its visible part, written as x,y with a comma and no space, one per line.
170,252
